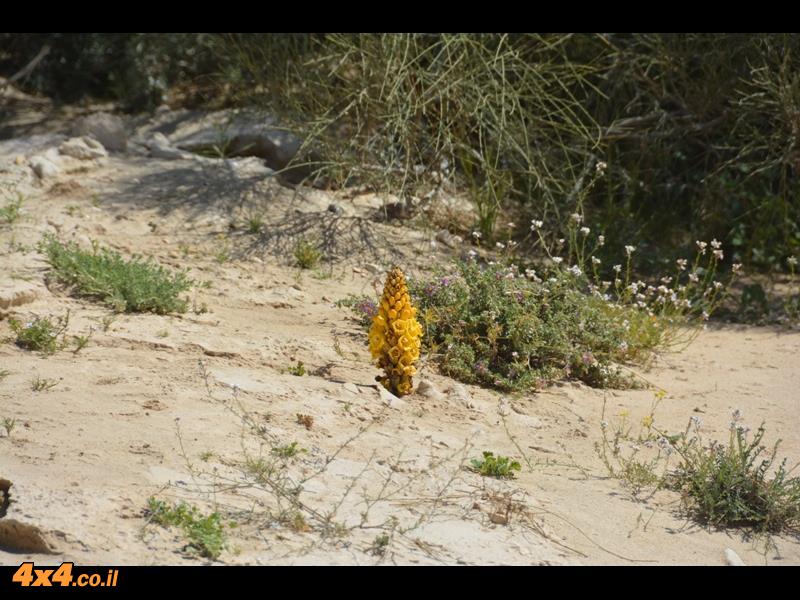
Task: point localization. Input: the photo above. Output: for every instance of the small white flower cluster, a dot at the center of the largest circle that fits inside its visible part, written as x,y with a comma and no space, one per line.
682,263
600,167
575,270
536,225
792,261
576,218
629,250
585,231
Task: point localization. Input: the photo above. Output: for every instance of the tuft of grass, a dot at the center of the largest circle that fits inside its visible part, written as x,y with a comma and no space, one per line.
41,334
306,254
135,285
255,224
498,466
4,373
41,384
731,486
10,213
205,533
81,341
8,424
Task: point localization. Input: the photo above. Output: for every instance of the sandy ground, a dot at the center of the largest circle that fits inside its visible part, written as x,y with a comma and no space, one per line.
152,406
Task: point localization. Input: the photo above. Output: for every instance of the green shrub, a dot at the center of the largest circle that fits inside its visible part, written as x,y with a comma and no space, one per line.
206,534
306,254
490,465
41,334
738,484
134,285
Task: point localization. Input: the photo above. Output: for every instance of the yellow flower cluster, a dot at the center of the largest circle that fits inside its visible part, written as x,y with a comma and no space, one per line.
394,337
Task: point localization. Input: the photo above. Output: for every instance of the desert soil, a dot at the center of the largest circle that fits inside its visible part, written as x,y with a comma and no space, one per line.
151,407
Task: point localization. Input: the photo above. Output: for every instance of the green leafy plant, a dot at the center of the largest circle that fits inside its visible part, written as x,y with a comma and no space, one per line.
135,285
41,334
8,424
205,533
306,254
298,370
738,484
287,450
498,466
10,213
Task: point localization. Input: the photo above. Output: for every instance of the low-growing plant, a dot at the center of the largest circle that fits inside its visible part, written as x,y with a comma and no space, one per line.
498,466
42,384
8,424
306,421
287,450
41,334
10,213
135,285
4,373
298,370
81,341
206,533
255,224
306,254
741,484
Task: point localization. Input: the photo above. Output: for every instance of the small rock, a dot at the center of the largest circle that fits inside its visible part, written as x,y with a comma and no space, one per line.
43,167
335,208
351,387
373,268
106,128
83,148
498,518
160,147
427,389
732,559
459,393
389,398
448,239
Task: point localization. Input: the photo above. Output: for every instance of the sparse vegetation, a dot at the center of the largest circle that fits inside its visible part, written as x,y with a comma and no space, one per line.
135,285
498,466
205,533
42,384
41,334
255,224
738,484
298,370
287,451
8,424
306,254
10,213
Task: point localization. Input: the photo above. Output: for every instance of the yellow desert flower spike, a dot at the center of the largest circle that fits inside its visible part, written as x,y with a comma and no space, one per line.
394,337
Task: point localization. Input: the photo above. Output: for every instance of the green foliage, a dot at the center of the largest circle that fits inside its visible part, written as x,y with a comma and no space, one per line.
498,466
42,384
8,424
489,326
306,254
9,213
41,334
134,285
206,534
298,370
731,485
287,450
